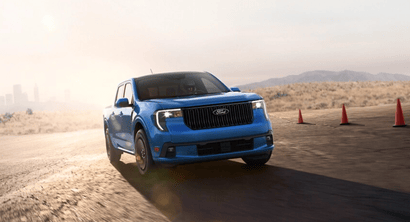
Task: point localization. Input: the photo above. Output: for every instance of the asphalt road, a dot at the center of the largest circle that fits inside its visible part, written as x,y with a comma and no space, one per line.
318,172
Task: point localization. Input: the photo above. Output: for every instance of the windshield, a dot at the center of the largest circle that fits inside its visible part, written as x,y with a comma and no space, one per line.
177,85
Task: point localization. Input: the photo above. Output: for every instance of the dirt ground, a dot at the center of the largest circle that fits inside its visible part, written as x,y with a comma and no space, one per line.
320,171
41,122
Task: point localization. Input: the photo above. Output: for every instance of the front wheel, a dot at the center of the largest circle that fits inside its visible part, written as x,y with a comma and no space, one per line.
257,160
143,153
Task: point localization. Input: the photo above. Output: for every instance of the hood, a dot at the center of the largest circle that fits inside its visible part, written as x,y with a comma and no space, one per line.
202,100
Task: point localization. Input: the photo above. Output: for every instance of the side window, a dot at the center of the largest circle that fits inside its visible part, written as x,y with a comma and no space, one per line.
128,93
210,87
120,93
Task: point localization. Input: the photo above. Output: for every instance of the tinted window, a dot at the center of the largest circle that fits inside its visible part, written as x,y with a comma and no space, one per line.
211,87
177,85
120,93
128,93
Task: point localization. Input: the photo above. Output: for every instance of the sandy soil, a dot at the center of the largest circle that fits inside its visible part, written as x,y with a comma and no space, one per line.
318,172
66,177
329,95
51,122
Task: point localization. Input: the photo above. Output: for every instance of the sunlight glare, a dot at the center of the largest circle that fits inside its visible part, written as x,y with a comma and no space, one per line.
48,22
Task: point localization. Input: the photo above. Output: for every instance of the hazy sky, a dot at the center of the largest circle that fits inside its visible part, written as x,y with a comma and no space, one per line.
89,46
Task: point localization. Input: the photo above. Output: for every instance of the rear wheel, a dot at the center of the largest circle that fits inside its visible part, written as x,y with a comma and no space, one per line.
143,153
257,160
113,154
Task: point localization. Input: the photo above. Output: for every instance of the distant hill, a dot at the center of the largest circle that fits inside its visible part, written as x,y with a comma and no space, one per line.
326,76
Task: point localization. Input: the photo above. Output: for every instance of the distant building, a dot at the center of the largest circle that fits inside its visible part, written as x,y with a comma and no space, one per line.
9,99
24,98
17,94
36,96
67,95
2,101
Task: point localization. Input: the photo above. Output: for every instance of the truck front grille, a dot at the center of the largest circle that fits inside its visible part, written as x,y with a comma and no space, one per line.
223,115
225,147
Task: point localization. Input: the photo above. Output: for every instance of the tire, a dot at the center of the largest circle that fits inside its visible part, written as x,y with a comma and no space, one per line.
257,160
113,154
143,155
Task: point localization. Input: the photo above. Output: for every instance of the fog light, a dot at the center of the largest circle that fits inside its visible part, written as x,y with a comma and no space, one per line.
170,152
269,140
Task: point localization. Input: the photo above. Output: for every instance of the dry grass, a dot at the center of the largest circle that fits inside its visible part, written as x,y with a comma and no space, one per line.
327,95
51,121
324,95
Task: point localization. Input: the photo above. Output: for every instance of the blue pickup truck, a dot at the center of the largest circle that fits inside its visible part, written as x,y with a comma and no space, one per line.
186,117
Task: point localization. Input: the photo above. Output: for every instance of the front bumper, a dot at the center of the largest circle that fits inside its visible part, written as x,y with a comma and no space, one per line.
187,142
220,149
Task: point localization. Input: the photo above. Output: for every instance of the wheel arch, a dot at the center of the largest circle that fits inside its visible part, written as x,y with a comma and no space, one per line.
139,124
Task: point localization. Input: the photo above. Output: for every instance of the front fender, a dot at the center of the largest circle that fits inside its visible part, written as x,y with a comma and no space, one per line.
140,120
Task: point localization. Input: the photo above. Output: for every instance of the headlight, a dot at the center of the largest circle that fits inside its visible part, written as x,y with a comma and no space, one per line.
162,115
260,104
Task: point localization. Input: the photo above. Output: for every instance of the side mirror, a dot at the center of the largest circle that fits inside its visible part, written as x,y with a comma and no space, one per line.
235,89
123,102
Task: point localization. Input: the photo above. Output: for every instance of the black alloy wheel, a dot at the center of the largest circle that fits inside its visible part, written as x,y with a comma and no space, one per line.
143,155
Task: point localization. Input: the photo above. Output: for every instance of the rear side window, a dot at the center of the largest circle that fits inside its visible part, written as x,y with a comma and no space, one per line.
120,93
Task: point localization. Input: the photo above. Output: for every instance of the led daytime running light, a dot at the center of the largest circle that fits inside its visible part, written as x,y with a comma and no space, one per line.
260,104
162,115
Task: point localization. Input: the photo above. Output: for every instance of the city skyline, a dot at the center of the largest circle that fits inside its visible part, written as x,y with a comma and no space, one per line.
19,101
18,96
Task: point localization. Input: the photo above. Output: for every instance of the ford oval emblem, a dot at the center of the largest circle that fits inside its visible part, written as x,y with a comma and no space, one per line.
220,112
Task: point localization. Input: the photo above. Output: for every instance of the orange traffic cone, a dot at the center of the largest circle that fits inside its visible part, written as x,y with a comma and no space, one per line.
399,115
345,121
300,117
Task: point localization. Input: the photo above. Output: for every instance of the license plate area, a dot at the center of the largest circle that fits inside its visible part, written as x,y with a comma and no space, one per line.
225,147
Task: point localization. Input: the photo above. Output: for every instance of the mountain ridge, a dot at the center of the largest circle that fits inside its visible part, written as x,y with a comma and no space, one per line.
326,76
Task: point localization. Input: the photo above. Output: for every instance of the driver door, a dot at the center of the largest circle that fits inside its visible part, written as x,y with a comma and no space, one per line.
126,139
115,123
